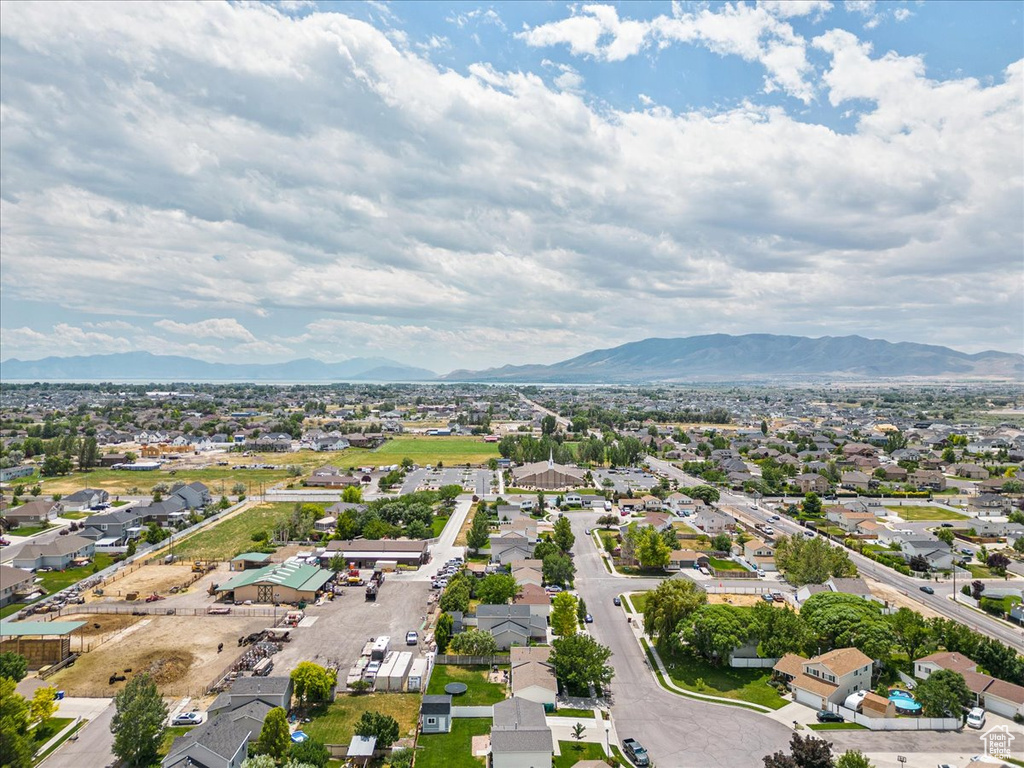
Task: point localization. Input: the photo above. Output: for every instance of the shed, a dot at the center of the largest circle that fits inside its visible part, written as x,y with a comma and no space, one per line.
42,643
436,713
417,673
249,560
360,749
398,672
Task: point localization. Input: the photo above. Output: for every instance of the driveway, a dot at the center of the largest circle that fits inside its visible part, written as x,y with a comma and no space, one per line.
676,731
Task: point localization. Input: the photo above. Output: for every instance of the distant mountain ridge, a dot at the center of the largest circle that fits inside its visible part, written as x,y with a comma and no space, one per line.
724,357
144,366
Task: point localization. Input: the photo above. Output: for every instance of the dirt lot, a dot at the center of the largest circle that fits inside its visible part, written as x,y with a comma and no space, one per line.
145,581
741,600
897,598
99,624
180,653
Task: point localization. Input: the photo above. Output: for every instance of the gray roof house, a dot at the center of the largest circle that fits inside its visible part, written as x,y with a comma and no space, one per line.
56,554
13,582
509,546
511,624
194,495
113,526
713,521
937,553
170,510
87,498
520,735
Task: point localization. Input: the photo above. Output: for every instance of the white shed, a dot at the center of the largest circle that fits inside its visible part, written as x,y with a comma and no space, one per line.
417,675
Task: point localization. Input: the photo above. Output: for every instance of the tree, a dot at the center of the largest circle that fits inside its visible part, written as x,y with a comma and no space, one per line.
910,631
456,597
806,752
721,542
649,548
812,505
443,631
706,493
839,620
383,727
548,424
14,721
674,601
998,562
353,494
578,732
479,532
946,535
563,614
580,661
919,563
977,587
473,642
581,610
764,427
43,705
448,493
312,682
275,738
558,569
610,521
715,630
779,631
238,489
563,535
943,694
496,589
13,666
853,758
132,548
138,723
811,561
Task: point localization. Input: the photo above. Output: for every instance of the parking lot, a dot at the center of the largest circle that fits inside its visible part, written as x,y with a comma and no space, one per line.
624,480
476,481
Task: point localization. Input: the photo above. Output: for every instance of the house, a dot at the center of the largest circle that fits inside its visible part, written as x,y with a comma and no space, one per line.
759,554
331,477
114,528
274,441
995,695
533,678
13,582
509,546
712,521
329,443
520,736
325,524
436,714
288,582
828,678
167,512
572,499
811,482
34,512
511,624
85,499
989,505
927,479
680,503
938,554
651,503
894,473
679,559
365,553
857,587
534,596
970,471
548,476
528,572
194,495
631,506
847,519
855,480
57,554
234,719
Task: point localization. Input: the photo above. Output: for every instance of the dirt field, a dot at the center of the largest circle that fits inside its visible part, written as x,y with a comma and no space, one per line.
145,581
180,653
897,598
741,600
99,624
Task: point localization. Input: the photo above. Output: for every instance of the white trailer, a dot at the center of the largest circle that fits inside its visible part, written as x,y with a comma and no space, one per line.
380,683
398,672
380,648
417,675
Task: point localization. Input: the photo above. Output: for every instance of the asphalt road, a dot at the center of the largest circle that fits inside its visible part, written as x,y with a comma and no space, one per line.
909,586
677,732
91,748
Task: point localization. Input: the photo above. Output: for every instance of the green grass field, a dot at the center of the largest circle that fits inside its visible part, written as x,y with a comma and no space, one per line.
692,673
336,725
227,538
454,749
577,713
439,523
724,565
218,479
54,581
480,693
910,513
29,530
453,451
170,734
573,752
638,600
836,727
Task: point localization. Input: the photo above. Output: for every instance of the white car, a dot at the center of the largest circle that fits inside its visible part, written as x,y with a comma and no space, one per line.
976,718
187,718
412,637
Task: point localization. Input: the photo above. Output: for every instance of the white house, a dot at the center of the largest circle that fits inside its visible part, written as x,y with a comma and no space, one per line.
830,677
994,695
520,736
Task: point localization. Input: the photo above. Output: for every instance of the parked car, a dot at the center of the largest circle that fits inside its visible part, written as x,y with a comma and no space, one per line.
589,619
635,752
412,637
928,590
616,601
824,716
187,718
4,542
947,525
976,718
767,597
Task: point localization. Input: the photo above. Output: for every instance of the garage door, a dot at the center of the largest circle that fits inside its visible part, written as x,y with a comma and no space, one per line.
998,707
808,698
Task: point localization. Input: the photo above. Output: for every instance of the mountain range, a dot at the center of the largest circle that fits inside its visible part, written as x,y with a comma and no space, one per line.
723,357
143,366
717,357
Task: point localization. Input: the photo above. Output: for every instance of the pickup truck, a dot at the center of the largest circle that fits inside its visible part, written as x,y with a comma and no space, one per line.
635,752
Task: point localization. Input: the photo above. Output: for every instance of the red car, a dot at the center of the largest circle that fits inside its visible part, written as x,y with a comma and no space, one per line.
4,542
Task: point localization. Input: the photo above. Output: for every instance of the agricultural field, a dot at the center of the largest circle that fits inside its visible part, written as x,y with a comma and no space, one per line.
916,513
335,723
232,535
425,450
219,479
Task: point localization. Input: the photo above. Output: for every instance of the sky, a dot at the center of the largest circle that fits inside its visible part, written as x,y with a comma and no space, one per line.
463,185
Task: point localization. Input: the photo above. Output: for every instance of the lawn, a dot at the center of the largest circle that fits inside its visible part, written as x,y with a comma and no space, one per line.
1005,603
573,752
567,712
836,727
695,674
608,536
724,565
336,724
219,479
454,749
170,734
480,693
439,523
7,610
979,571
75,515
29,530
914,513
227,538
423,450
638,600
55,581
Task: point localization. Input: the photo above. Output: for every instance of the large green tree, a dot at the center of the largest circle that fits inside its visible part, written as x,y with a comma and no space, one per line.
496,589
563,535
811,561
910,631
715,630
580,661
649,547
943,694
13,665
563,614
479,532
443,632
139,721
673,601
558,569
383,727
780,631
473,642
311,682
275,738
15,744
839,620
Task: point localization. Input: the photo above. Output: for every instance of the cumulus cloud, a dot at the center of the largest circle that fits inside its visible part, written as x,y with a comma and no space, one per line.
197,164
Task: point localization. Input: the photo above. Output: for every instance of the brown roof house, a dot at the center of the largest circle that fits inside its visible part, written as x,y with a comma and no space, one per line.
995,695
533,678
828,678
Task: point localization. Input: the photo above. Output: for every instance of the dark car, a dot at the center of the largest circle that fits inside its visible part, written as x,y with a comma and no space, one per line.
824,716
616,601
589,619
635,752
928,590
947,525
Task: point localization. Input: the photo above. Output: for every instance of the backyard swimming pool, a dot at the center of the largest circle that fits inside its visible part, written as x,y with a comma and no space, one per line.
904,701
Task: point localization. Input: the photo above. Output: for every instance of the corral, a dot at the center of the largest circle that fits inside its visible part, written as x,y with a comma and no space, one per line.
147,580
181,654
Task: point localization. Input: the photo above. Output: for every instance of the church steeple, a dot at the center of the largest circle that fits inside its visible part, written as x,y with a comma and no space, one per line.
551,459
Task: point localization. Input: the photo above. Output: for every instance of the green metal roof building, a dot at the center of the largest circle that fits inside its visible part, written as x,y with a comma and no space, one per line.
43,643
280,583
